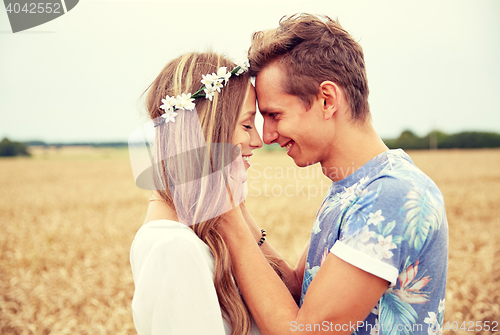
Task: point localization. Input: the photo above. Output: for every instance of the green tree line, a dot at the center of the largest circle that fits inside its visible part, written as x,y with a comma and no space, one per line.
11,148
408,140
440,140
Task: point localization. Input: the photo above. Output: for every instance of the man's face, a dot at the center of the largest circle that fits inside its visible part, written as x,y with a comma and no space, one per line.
287,121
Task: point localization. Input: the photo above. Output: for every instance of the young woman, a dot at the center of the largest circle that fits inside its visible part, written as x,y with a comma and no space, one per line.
184,281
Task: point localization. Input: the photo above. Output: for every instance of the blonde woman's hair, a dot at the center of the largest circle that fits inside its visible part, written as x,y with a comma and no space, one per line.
218,120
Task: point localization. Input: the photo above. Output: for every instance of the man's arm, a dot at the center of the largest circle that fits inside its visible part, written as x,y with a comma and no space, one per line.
301,264
340,293
291,277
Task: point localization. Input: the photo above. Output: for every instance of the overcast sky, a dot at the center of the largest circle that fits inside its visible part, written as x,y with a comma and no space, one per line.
431,64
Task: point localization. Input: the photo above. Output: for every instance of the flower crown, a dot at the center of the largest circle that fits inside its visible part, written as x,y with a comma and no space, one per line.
211,83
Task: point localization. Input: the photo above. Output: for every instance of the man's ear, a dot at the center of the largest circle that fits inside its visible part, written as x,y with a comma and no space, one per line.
330,93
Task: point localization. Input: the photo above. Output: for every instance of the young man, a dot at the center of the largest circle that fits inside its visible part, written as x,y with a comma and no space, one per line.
377,259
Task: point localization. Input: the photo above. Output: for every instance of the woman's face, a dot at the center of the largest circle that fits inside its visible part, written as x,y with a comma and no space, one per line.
245,135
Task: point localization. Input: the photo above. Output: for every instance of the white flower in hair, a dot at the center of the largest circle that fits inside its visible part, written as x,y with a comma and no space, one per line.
184,101
214,82
218,84
208,79
168,103
169,115
209,92
223,74
243,66
211,83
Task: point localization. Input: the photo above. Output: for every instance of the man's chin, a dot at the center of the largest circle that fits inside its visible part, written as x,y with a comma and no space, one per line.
302,163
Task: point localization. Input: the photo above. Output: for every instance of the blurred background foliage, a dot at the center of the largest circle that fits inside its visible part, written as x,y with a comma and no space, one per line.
408,140
9,148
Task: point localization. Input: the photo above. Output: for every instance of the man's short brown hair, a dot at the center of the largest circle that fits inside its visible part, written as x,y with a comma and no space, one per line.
312,49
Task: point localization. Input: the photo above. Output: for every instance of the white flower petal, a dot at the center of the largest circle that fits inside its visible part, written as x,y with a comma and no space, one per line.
243,66
209,94
431,319
168,103
222,71
169,116
208,79
184,101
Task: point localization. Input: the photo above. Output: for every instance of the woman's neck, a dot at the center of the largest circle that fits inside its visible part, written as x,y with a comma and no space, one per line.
160,210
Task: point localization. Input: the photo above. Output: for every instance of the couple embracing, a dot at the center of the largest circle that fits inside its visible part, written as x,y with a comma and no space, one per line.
376,261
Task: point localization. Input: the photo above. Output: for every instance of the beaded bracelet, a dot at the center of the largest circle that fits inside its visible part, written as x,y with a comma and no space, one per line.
263,238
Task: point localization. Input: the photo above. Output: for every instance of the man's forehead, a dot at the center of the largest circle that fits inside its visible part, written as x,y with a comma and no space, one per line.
268,89
270,75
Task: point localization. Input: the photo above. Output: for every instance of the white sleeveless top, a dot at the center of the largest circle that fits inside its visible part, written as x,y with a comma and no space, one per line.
173,273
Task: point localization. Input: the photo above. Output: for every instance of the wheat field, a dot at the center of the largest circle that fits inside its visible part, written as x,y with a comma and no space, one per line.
69,215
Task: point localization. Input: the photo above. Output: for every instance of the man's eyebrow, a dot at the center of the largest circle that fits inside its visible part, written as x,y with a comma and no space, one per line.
269,109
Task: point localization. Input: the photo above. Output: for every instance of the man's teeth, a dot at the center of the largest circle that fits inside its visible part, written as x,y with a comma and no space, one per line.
246,158
289,145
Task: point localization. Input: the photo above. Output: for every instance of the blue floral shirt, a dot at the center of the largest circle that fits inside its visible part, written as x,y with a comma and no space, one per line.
388,218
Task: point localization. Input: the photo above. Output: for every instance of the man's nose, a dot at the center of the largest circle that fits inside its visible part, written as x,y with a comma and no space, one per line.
269,133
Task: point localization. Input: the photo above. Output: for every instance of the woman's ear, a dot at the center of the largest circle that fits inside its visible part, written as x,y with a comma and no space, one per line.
330,93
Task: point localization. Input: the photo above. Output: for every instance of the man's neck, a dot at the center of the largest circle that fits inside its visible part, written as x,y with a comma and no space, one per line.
351,149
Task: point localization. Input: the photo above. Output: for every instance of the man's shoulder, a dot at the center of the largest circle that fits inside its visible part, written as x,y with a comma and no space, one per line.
391,181
399,175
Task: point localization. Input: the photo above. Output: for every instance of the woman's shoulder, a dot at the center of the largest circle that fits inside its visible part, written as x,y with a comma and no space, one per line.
168,239
166,232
